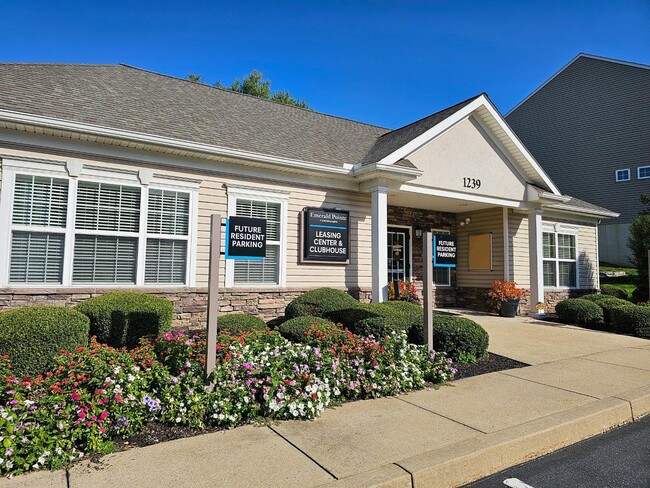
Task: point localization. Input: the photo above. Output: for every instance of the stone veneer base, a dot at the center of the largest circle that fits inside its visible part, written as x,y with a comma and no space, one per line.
190,305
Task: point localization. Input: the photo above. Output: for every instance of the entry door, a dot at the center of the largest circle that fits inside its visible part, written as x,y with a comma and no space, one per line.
399,259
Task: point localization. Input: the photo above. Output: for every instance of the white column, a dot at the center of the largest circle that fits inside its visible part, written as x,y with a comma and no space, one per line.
379,206
536,258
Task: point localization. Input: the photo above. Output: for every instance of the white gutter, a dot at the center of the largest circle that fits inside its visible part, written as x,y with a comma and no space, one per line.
59,124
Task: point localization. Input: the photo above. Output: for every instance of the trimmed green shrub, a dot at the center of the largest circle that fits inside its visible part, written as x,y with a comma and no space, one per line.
578,311
459,336
614,291
632,319
610,303
32,336
350,317
236,323
411,319
595,297
319,303
122,318
294,329
640,294
380,319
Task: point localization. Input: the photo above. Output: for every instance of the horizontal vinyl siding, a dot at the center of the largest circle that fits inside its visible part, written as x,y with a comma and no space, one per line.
588,121
213,199
519,251
482,222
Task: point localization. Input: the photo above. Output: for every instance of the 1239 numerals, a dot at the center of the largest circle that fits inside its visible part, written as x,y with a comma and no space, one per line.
472,183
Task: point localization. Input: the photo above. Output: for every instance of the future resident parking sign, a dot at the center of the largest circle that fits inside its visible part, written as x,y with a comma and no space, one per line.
245,238
444,250
326,235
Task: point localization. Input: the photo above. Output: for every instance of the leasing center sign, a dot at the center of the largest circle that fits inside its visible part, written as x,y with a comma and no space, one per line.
444,250
246,238
326,235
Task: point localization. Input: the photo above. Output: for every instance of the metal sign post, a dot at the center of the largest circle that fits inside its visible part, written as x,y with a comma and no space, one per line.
213,295
427,289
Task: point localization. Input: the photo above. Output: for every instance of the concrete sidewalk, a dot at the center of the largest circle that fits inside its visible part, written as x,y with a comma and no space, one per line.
580,383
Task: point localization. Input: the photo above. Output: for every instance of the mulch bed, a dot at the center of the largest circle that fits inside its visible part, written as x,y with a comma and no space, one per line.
489,364
155,433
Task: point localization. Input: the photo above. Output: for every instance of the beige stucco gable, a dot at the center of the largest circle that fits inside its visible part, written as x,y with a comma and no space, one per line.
463,154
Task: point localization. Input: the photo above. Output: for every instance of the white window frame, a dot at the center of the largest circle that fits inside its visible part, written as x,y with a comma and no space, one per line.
74,171
238,192
629,175
638,172
448,284
564,230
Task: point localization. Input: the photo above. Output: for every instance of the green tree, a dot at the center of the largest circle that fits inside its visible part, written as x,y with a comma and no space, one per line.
639,243
254,84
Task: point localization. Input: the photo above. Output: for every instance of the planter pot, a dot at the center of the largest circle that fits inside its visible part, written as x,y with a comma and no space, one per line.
509,307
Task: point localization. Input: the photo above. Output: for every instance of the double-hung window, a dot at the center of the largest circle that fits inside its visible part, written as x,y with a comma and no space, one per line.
560,265
269,205
95,227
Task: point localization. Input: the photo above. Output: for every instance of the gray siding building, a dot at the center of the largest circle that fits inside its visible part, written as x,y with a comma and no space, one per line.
589,128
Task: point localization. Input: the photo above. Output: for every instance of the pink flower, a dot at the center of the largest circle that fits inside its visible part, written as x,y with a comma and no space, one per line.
169,336
118,399
103,415
75,396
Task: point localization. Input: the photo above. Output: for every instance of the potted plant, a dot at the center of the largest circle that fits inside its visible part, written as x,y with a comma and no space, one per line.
504,297
407,291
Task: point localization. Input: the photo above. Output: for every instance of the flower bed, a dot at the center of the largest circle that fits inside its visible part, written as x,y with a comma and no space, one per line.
96,395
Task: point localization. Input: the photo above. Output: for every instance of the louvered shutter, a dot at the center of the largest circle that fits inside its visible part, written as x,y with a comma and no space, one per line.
266,271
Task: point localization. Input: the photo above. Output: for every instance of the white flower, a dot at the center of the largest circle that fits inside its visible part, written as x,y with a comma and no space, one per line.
178,420
9,464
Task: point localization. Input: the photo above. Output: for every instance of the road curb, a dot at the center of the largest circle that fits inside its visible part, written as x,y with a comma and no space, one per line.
472,459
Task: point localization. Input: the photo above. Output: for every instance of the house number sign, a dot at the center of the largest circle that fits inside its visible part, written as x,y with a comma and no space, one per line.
472,183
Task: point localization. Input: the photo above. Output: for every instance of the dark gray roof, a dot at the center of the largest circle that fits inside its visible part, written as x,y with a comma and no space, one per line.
391,141
127,98
585,206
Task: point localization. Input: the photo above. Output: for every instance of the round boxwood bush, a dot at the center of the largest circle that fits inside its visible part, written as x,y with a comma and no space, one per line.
319,303
633,319
579,312
122,318
294,329
236,323
32,336
614,291
410,316
608,304
595,297
459,336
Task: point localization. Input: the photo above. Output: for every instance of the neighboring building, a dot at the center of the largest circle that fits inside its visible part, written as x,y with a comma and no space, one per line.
110,175
588,126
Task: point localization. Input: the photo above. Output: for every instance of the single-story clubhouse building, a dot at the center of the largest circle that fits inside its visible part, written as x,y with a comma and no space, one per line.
109,176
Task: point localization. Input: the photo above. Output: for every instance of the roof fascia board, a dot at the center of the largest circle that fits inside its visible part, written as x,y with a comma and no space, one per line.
567,208
451,121
513,137
64,125
430,134
581,55
88,150
385,170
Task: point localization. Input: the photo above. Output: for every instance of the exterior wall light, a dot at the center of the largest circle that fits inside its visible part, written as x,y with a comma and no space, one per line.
465,222
418,233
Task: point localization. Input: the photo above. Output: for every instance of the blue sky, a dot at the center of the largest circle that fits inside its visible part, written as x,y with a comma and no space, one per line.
380,62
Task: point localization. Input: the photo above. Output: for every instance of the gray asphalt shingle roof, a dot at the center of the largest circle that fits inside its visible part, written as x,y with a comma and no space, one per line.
127,98
393,140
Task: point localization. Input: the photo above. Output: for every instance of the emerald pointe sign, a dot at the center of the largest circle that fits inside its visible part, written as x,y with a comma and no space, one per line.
245,238
444,250
326,235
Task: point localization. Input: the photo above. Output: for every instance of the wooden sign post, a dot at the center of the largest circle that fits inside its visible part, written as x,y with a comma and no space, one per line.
427,289
213,295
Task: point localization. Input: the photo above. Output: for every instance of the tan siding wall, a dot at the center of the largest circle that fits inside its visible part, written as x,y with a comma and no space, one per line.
518,248
482,222
213,199
587,252
520,256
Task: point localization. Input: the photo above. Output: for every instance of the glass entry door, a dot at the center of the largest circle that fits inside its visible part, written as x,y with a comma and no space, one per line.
399,259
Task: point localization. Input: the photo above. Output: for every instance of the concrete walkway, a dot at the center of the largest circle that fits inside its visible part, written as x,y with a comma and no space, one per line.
580,383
